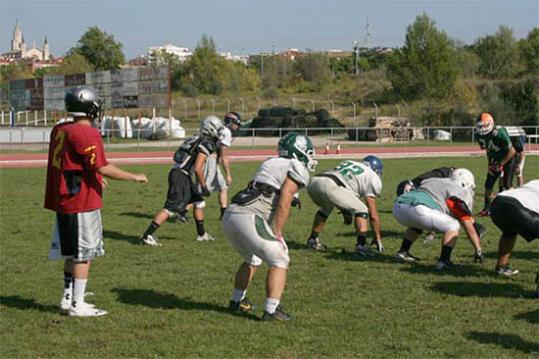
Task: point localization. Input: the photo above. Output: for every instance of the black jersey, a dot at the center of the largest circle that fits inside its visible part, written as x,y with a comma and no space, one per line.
186,154
442,172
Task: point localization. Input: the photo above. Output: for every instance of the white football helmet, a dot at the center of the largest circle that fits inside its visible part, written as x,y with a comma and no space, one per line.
463,178
211,127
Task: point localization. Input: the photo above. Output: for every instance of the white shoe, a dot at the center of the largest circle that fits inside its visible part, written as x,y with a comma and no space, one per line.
150,241
205,237
85,310
65,303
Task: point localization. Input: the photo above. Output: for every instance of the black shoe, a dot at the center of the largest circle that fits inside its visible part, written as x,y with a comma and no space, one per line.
243,305
279,315
445,265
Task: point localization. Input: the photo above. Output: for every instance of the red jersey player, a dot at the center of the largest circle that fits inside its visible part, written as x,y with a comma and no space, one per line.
74,186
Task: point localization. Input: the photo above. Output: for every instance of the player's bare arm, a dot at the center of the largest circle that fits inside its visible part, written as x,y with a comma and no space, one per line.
374,218
113,172
288,190
199,168
225,163
468,225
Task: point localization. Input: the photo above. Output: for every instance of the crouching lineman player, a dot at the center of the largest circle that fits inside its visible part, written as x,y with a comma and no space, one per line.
515,211
74,187
441,172
192,154
343,187
255,220
213,175
438,205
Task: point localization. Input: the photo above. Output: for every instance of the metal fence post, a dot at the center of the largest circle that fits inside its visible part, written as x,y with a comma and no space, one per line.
45,117
253,137
35,118
2,117
451,135
26,117
43,141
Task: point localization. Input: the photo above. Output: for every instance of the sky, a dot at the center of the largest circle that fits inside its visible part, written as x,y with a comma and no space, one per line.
252,26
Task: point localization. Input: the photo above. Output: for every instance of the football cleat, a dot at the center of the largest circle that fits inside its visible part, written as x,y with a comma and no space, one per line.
65,303
243,305
85,310
405,257
444,265
150,241
279,315
205,237
314,244
364,251
506,271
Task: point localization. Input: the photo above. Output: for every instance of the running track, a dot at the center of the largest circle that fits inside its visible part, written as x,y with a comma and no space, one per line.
36,160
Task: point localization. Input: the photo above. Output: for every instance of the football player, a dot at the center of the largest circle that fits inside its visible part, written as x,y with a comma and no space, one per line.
343,188
255,220
213,175
438,205
74,187
518,143
189,157
515,212
500,155
441,172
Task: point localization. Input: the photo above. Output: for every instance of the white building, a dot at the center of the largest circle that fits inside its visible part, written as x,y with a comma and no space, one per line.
182,53
19,50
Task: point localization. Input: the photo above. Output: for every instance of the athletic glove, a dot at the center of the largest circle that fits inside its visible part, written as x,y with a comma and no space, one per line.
204,192
495,168
479,257
347,217
296,203
378,244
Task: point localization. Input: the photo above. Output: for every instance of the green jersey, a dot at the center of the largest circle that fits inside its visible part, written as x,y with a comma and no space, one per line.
497,143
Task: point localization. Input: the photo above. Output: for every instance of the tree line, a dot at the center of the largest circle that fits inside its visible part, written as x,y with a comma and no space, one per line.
446,79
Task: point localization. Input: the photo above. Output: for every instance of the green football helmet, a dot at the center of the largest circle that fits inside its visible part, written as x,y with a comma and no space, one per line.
300,147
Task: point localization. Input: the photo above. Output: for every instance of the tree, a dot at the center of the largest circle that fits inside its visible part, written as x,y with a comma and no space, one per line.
14,71
73,64
204,67
100,49
314,68
529,51
497,53
425,66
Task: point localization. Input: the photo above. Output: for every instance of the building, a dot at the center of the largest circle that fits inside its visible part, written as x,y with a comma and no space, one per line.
182,53
20,51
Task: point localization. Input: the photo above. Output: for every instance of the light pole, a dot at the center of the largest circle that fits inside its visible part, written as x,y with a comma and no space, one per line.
356,58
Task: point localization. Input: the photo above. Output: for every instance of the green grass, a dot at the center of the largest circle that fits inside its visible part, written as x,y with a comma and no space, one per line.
171,301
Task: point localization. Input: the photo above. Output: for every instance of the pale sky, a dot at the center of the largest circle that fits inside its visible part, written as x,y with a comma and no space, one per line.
251,26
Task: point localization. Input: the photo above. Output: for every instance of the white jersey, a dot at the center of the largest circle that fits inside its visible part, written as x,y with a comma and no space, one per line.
527,195
359,177
275,170
225,138
441,189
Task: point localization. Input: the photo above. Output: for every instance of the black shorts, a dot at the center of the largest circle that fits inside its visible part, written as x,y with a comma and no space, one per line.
513,218
506,181
181,192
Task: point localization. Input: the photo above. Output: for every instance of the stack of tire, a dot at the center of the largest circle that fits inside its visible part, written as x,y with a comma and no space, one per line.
288,118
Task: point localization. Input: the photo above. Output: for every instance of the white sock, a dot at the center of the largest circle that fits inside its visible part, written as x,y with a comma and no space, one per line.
79,287
238,295
271,305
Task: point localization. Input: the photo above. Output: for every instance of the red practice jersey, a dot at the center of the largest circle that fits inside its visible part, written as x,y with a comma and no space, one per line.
73,184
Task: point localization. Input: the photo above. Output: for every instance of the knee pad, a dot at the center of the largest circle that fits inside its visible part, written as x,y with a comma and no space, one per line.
322,214
361,215
200,205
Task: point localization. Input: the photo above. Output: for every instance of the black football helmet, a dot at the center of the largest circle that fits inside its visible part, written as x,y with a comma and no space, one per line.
83,101
405,186
232,118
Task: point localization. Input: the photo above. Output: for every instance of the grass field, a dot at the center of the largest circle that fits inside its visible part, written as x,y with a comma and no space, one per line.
172,301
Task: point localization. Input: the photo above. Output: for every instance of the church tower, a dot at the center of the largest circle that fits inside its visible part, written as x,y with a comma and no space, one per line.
46,53
17,41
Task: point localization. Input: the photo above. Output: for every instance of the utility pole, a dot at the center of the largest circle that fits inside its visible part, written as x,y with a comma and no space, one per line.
356,58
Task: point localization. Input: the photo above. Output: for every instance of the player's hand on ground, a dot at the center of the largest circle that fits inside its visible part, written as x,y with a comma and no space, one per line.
479,257
204,191
378,244
140,178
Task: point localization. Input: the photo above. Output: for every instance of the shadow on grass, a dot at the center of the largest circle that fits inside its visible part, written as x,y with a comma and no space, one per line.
478,289
526,255
17,302
153,299
138,215
107,234
341,254
532,317
507,341
462,270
